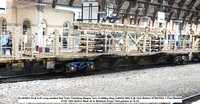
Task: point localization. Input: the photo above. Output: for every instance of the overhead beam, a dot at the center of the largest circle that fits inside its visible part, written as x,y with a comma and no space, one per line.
103,7
168,6
119,4
192,16
197,21
198,8
171,2
185,16
190,6
181,3
71,2
146,5
170,16
131,5
136,16
102,4
187,20
160,1
178,12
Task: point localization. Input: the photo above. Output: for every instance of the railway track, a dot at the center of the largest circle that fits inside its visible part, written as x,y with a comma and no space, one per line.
191,99
31,77
47,76
56,75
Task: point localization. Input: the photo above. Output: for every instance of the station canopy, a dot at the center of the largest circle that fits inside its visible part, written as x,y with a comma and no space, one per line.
184,10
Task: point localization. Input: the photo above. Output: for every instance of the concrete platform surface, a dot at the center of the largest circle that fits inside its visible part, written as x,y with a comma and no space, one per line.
183,80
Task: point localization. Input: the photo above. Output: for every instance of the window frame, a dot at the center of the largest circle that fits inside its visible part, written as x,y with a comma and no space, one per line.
23,30
65,29
3,26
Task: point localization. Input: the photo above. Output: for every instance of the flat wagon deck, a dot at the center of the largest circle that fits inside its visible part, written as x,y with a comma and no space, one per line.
104,43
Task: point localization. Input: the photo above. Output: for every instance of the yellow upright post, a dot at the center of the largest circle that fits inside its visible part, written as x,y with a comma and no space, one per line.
56,43
16,43
127,43
106,39
1,45
144,43
85,33
193,44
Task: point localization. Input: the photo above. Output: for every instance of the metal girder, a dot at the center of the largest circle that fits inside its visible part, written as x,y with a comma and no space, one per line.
198,8
178,12
181,3
190,6
171,2
71,2
102,4
167,6
136,15
197,21
54,3
119,4
165,18
155,13
170,16
146,6
131,5
185,16
192,16
103,7
160,1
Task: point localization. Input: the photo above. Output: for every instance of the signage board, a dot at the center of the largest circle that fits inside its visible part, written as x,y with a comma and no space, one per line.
161,17
2,6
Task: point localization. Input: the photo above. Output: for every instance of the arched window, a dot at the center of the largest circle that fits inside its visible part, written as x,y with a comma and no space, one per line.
65,34
3,26
65,29
26,26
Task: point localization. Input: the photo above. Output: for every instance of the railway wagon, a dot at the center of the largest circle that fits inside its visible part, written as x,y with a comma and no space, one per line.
99,45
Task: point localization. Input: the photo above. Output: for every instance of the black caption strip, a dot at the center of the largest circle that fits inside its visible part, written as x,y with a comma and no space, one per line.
2,8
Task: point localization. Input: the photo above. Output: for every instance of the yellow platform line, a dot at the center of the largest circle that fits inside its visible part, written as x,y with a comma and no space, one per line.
159,76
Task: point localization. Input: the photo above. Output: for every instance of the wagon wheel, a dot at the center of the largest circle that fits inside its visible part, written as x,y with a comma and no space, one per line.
65,70
51,70
182,62
28,67
172,60
88,70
